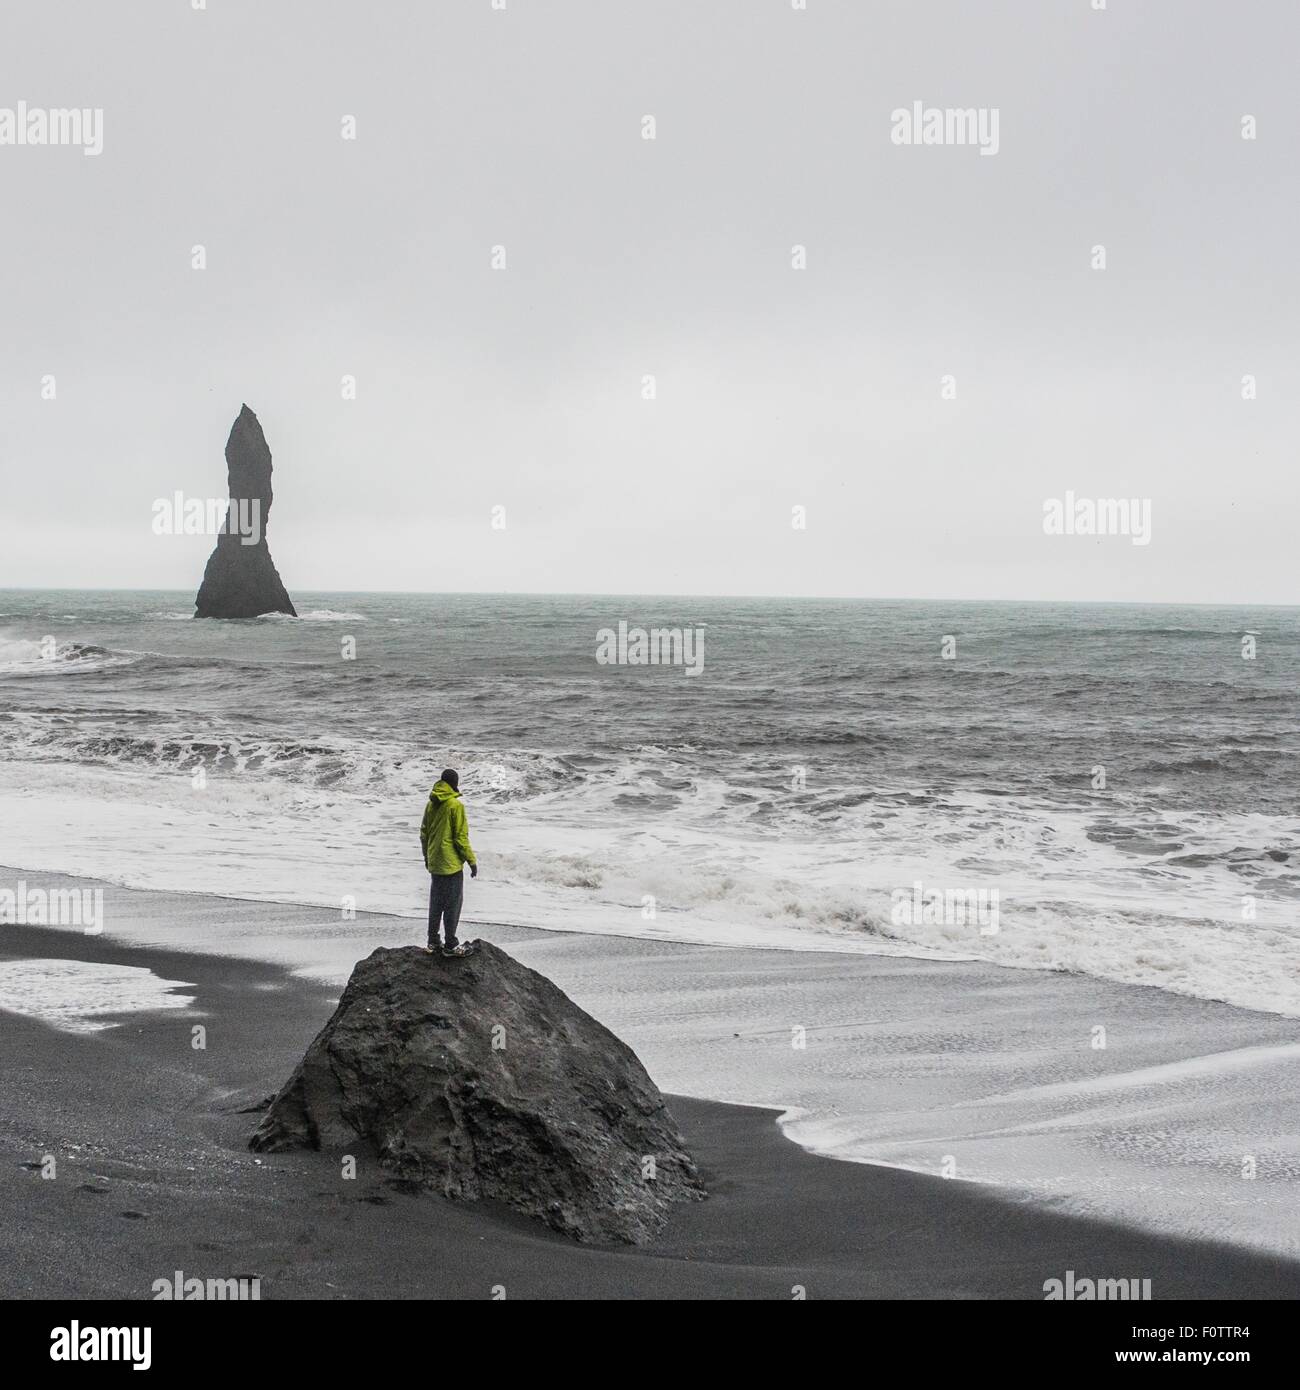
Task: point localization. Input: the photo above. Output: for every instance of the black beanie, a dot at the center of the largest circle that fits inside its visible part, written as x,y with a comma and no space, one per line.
451,777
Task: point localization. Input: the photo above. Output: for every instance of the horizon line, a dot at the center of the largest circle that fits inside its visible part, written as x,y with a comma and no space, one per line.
648,594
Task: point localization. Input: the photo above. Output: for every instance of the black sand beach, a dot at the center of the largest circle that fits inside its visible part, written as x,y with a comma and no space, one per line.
154,1176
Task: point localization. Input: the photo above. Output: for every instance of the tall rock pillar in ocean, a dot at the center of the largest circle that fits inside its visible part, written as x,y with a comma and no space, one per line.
241,580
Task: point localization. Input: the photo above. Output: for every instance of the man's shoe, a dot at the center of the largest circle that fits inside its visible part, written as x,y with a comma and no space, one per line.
465,948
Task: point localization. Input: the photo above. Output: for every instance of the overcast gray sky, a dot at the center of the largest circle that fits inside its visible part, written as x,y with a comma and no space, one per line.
626,257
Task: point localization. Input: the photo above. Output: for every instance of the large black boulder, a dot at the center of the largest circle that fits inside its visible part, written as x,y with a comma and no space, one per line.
479,1078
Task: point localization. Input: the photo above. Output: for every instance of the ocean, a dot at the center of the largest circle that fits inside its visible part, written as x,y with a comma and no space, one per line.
1118,787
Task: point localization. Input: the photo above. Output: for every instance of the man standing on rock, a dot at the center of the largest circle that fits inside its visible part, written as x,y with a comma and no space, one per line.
444,838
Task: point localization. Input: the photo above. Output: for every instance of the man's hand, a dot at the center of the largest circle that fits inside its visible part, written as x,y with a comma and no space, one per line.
473,871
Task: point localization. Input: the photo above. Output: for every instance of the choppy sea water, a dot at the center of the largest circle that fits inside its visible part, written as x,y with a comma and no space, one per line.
826,755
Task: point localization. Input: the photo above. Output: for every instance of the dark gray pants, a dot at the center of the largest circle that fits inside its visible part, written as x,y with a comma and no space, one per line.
446,893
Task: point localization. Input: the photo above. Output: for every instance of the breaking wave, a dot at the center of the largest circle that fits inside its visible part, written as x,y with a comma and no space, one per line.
22,656
369,769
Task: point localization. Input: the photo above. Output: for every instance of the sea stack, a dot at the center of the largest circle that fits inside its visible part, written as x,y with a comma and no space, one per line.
241,580
478,1078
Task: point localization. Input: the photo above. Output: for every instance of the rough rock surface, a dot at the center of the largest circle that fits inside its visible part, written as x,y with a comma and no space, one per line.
479,1078
241,581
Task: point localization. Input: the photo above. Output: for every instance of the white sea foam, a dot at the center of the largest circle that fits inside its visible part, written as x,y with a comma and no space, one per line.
78,996
313,615
16,652
549,862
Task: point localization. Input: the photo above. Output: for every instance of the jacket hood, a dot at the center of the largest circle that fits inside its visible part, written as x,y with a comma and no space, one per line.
443,791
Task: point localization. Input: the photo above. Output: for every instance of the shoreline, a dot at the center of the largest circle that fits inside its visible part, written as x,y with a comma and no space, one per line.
153,1176
905,1065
